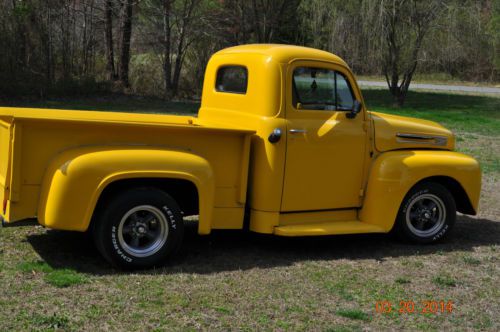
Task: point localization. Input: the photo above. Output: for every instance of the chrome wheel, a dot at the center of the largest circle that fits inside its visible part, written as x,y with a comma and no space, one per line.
425,215
143,231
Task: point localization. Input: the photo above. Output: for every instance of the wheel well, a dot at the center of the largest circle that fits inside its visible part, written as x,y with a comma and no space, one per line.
461,199
184,192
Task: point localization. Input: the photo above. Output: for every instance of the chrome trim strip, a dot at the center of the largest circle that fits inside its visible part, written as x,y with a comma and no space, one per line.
297,131
421,139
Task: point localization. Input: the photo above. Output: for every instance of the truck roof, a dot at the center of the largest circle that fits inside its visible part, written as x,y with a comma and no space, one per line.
283,53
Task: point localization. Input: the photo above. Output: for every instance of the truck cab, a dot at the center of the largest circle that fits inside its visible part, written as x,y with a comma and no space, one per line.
283,140
316,143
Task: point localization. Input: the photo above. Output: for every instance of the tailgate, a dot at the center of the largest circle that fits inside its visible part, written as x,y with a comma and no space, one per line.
5,153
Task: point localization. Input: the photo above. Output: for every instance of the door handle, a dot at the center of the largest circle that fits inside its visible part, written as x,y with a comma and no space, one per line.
297,131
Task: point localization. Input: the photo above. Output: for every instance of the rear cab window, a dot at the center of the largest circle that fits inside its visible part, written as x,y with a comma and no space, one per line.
232,79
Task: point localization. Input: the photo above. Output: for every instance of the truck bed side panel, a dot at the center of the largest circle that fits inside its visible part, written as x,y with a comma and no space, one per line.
43,140
5,152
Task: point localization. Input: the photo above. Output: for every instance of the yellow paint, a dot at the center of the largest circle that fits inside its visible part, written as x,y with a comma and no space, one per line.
339,176
394,173
388,126
228,218
324,165
5,145
328,228
92,169
64,159
264,222
317,217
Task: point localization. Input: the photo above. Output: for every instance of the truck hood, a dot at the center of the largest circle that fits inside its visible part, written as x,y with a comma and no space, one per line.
394,132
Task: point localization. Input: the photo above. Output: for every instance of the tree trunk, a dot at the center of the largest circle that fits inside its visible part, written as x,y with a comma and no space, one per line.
405,27
167,48
49,49
126,35
179,51
108,31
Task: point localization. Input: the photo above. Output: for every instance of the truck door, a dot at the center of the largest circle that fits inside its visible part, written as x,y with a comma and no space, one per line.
325,149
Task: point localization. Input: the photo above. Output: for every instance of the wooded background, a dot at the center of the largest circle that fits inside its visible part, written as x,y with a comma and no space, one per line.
160,47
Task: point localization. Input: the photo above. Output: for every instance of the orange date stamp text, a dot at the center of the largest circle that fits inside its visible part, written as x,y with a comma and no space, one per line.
414,307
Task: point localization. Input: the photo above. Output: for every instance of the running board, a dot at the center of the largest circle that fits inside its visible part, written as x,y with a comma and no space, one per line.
328,228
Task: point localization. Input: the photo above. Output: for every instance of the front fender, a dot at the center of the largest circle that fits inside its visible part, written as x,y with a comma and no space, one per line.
76,178
394,173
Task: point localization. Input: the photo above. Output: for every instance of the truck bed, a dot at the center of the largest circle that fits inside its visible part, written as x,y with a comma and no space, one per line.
31,138
7,114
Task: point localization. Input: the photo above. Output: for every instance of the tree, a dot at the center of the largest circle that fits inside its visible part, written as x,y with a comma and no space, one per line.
126,36
62,47
405,24
268,17
346,28
494,27
109,43
174,25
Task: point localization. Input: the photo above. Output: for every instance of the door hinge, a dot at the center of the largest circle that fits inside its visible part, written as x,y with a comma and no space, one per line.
361,192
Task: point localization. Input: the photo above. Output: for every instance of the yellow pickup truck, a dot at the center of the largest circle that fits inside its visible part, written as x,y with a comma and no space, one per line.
283,144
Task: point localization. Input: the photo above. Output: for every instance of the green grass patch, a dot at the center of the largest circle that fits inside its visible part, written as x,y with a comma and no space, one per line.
444,280
65,278
471,260
344,329
353,314
466,113
402,280
283,325
340,288
50,322
37,266
56,277
222,310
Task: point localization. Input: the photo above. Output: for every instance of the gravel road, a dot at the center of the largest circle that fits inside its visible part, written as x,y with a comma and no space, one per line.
440,87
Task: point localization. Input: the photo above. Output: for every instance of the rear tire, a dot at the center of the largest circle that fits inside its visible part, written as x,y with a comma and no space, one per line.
427,214
139,228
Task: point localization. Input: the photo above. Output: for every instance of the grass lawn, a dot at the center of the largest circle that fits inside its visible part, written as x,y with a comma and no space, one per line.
116,103
241,281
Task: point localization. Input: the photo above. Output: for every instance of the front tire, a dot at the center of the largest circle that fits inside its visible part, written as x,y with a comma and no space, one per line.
427,214
139,228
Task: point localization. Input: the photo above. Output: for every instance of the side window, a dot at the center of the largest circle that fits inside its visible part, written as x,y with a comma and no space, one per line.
233,79
345,99
314,88
321,89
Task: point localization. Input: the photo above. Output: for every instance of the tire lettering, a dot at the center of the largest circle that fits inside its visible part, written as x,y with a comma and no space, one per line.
117,248
170,216
441,233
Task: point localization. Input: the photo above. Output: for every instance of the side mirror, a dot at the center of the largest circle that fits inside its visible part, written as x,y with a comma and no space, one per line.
356,108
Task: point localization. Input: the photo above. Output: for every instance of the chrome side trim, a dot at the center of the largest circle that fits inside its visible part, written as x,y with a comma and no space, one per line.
298,131
422,139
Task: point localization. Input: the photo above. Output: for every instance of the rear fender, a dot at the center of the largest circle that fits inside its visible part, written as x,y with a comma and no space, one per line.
394,173
76,178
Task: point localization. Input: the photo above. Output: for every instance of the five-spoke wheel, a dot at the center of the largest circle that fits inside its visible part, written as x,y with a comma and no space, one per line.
427,213
139,228
142,231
